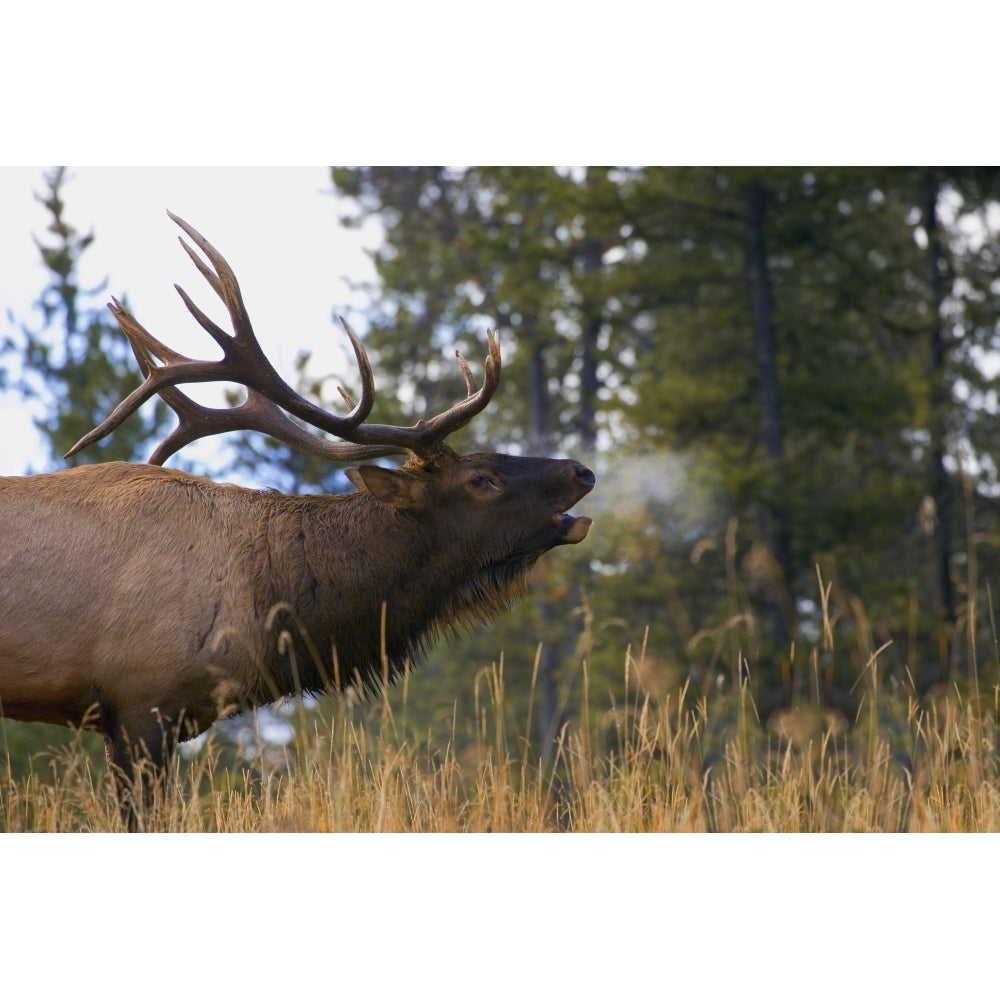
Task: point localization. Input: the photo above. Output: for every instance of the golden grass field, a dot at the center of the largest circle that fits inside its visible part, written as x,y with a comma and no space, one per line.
679,763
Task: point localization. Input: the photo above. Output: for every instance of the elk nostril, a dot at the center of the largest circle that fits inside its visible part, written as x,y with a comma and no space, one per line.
586,477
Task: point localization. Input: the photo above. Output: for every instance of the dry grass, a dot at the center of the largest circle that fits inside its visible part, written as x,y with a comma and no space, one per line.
680,763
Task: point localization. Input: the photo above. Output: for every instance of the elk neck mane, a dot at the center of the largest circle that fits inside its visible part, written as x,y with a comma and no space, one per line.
430,583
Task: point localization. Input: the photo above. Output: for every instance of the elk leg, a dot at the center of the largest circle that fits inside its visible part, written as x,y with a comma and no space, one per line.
138,769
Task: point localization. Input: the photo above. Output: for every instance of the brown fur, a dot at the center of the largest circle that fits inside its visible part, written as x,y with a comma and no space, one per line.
146,603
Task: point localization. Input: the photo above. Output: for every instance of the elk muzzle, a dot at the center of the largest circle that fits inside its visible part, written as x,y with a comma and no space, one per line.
570,529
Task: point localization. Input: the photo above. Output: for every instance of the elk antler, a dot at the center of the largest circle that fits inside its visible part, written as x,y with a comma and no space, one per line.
268,395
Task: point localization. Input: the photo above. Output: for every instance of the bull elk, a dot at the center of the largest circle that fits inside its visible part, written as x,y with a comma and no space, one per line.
146,603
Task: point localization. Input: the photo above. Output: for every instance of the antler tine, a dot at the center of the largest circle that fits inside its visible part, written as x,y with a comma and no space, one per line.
470,382
145,347
439,427
270,399
245,362
426,436
255,413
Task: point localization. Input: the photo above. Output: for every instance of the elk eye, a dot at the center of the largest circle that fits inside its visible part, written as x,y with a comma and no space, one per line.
481,482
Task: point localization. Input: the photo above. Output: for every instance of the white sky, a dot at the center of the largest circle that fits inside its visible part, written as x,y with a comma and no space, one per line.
277,226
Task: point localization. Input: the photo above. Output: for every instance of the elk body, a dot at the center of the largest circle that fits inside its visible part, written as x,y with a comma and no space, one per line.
146,603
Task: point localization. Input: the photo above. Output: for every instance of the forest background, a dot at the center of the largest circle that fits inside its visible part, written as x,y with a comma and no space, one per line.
785,379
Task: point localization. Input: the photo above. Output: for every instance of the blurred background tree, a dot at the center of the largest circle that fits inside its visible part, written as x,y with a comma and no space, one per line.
778,361
78,362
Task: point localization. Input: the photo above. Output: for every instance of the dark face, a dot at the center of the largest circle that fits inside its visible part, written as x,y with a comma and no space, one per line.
531,496
510,506
468,531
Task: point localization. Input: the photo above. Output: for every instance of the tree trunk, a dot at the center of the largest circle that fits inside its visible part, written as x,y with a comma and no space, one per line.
539,441
774,513
944,597
590,328
538,394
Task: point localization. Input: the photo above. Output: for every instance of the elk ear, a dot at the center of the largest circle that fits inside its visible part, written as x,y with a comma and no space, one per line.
397,489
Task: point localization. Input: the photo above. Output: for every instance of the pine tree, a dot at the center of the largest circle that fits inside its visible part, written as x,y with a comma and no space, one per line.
79,363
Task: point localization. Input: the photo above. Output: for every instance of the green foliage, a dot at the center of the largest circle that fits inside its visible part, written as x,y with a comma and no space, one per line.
521,248
42,750
79,363
626,307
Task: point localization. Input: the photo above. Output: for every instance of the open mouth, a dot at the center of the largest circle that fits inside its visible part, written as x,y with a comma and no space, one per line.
571,529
